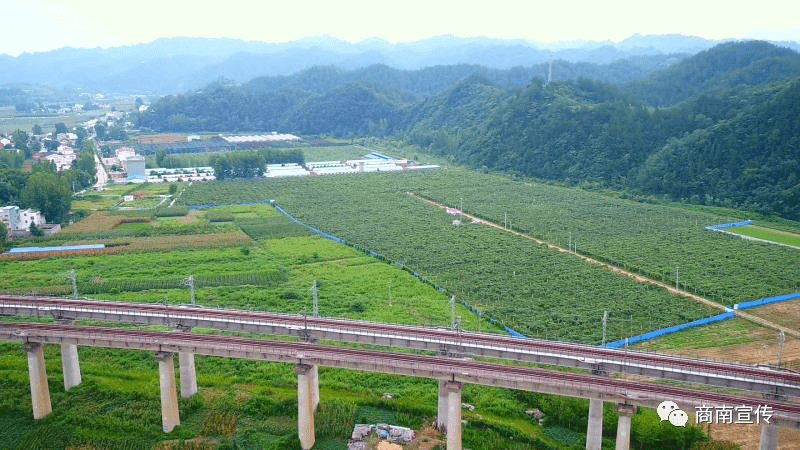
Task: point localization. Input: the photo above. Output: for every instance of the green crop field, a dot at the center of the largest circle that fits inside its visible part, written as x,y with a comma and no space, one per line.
538,291
768,234
10,120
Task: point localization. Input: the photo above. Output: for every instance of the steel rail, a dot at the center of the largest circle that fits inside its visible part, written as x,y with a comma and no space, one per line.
763,379
441,367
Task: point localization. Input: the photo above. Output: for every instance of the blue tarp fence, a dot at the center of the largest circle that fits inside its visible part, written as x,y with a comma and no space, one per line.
672,329
729,224
62,248
704,321
766,301
212,205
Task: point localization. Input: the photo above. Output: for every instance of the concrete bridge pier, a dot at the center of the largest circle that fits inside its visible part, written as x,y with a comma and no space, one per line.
40,392
453,415
770,436
305,405
169,395
314,382
186,365
624,426
70,365
441,417
188,375
594,432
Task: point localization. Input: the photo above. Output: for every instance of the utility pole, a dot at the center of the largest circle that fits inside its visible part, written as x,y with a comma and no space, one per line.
781,339
677,275
190,284
315,299
605,321
453,311
73,277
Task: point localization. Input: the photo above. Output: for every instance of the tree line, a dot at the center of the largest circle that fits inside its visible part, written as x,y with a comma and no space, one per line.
251,164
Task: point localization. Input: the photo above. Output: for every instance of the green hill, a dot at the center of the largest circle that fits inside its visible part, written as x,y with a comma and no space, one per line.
717,128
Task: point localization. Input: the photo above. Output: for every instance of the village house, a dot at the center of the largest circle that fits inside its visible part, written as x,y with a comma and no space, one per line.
18,221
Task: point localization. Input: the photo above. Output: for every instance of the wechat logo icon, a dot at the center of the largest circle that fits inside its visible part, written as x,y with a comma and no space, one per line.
668,410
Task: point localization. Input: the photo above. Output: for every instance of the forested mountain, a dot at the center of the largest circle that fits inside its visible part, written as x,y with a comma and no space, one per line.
720,127
725,66
750,159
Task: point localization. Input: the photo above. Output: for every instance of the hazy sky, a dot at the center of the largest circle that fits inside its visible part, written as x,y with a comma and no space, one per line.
39,25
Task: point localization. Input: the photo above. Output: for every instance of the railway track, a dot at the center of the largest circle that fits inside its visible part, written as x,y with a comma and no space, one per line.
769,381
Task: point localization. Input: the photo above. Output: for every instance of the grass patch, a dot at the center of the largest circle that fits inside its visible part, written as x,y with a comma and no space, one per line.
768,234
728,332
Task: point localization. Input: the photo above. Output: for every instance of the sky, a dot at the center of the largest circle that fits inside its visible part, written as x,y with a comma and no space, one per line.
41,25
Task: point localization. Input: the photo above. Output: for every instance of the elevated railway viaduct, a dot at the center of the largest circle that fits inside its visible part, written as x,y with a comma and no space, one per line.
777,387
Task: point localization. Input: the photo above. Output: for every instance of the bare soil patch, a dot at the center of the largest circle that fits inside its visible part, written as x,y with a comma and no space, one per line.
428,437
786,313
748,436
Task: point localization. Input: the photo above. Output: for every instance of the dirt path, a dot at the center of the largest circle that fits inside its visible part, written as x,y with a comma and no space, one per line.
618,270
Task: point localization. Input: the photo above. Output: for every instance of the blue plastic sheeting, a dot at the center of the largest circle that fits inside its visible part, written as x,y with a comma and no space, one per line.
376,155
319,232
728,225
672,329
513,332
767,300
62,248
211,205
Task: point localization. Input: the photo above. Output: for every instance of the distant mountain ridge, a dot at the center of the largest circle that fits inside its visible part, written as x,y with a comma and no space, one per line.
175,65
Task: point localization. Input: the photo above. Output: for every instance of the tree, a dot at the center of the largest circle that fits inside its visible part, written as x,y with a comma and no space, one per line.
88,146
173,189
51,145
20,139
116,133
35,231
82,135
49,193
85,167
3,233
160,155
12,182
61,128
36,130
100,132
138,103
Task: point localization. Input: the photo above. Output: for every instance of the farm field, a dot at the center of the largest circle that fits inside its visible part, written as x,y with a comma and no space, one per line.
10,120
530,288
652,240
768,234
152,267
